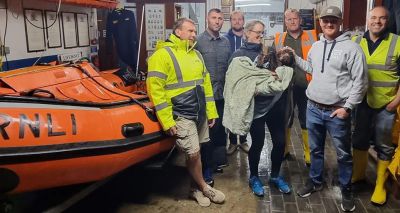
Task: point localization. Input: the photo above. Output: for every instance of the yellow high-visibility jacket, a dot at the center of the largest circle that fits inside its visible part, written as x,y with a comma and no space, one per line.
178,83
382,70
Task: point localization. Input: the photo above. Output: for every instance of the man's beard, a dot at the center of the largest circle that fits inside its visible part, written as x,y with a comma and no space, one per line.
237,30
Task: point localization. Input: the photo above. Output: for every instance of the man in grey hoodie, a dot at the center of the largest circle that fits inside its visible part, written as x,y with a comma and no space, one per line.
339,82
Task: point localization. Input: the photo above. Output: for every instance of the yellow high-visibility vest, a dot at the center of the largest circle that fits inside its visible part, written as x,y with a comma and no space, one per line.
382,70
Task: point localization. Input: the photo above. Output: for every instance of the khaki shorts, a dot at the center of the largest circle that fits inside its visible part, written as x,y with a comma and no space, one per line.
189,136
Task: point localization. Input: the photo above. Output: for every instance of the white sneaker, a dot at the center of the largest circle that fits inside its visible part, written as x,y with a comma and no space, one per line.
214,195
198,196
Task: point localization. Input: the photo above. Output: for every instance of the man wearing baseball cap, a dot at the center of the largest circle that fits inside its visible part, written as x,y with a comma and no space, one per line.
339,82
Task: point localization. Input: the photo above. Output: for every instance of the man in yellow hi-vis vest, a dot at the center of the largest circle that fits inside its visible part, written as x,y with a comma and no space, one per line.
376,115
300,41
180,88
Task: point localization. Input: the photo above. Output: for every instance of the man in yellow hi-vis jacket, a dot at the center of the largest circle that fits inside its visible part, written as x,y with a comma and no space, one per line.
377,113
180,88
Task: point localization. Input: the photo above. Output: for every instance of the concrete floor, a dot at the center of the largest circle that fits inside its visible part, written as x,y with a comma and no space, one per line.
146,190
166,190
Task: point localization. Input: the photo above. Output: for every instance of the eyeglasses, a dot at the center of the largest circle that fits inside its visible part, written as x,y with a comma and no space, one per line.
258,32
330,20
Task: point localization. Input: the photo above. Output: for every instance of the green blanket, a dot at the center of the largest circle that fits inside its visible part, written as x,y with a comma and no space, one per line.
243,81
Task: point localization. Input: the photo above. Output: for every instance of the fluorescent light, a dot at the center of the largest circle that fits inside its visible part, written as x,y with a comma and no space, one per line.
251,5
243,0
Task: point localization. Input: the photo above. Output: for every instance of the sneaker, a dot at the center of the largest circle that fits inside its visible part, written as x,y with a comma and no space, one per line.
347,204
214,195
309,188
208,176
256,186
198,196
219,170
223,165
245,147
281,184
232,149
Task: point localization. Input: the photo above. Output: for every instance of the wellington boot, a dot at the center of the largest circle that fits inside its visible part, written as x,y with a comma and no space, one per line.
360,161
379,195
287,142
306,146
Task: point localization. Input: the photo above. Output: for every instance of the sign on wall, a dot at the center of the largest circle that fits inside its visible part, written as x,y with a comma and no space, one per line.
307,16
34,30
83,29
53,29
69,30
155,24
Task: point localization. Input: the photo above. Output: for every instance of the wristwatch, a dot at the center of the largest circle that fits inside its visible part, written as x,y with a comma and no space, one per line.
348,110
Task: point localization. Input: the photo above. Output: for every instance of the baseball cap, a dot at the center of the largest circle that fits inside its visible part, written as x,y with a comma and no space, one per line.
331,11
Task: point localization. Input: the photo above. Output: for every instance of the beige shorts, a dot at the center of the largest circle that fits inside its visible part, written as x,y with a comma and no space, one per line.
189,136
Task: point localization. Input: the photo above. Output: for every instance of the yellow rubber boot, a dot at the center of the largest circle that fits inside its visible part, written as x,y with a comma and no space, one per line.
360,161
287,142
306,146
379,195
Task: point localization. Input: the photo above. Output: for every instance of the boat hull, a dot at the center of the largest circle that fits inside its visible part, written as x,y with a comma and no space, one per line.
68,124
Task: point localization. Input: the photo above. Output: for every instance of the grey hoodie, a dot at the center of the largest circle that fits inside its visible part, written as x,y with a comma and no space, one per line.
339,72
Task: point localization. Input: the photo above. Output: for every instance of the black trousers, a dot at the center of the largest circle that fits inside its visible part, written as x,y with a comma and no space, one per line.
233,138
214,152
299,100
275,120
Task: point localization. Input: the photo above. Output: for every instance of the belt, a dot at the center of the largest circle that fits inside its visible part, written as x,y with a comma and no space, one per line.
323,106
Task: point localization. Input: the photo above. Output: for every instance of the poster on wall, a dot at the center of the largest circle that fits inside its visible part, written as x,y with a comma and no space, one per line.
53,29
155,24
69,30
226,2
34,29
83,29
307,15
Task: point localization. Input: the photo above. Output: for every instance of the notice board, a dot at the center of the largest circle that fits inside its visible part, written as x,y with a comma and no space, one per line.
308,19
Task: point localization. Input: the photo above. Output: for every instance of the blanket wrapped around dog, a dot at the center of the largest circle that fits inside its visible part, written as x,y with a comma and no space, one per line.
243,81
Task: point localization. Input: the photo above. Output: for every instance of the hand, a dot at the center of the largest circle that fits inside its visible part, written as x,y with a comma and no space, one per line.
340,113
172,131
392,106
211,123
274,75
288,49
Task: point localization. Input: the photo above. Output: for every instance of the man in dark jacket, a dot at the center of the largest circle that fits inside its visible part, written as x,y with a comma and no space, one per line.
216,52
235,37
235,34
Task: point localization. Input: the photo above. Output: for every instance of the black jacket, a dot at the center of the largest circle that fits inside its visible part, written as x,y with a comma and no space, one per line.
121,26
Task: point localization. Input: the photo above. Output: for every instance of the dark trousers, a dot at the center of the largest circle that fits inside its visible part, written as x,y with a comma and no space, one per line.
276,123
215,152
217,132
299,100
233,138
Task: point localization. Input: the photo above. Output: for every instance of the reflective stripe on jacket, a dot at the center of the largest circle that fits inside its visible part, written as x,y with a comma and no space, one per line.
308,37
178,83
382,70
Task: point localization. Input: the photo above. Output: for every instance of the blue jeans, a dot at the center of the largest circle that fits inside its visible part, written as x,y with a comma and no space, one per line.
318,123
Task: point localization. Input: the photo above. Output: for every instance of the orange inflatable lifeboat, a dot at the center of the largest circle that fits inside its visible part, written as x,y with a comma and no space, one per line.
66,124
